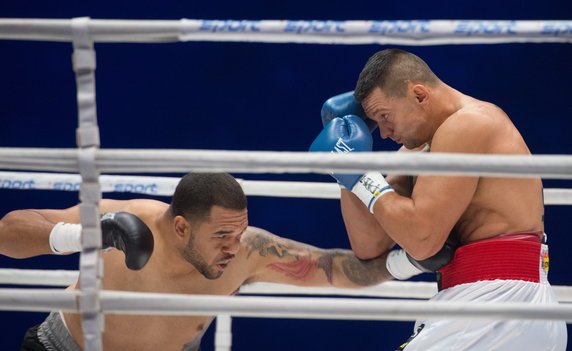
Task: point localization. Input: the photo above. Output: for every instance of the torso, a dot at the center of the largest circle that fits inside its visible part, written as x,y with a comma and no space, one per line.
500,205
156,332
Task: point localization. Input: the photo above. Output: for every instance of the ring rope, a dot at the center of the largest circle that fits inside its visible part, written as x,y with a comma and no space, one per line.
165,186
504,31
399,32
122,302
407,163
401,289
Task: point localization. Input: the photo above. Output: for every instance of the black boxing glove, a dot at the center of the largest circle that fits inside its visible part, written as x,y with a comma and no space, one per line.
440,259
129,234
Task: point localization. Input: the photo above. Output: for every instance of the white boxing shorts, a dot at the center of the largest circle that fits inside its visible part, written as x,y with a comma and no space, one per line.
507,268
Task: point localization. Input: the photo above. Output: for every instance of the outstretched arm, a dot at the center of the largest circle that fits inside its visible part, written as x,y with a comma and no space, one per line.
25,233
278,260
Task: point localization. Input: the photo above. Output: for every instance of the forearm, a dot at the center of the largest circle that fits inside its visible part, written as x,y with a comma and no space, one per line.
367,237
409,225
25,233
351,272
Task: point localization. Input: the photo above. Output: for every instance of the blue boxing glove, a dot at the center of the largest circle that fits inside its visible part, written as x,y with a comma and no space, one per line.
350,134
342,105
342,135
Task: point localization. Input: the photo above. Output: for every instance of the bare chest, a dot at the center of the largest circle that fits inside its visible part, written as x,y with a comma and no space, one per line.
145,332
128,332
154,332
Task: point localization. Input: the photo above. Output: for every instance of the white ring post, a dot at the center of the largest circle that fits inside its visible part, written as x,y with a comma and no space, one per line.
90,191
223,333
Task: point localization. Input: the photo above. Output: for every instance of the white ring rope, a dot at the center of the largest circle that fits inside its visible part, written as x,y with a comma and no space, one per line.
401,289
167,161
425,32
400,32
165,186
121,302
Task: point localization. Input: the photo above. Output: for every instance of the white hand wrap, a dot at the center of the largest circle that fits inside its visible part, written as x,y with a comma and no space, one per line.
65,237
370,188
399,266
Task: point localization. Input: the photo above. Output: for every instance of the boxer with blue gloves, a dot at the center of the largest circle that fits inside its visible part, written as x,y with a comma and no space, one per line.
351,134
490,217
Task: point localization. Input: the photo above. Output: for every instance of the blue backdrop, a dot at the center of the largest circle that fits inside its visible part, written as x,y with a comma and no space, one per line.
241,96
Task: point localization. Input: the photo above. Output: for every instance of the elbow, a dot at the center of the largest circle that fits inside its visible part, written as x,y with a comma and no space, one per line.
422,253
4,240
425,246
364,256
372,247
7,247
365,253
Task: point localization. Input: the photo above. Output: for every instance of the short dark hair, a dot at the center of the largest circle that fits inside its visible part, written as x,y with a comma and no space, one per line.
390,70
197,193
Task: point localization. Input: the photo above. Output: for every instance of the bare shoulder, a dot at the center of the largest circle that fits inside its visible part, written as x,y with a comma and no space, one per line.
255,238
138,207
472,129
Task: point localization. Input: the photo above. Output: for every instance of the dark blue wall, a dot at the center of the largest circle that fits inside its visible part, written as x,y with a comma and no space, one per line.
266,97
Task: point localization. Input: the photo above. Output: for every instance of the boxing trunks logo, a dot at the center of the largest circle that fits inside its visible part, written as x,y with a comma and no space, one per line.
419,329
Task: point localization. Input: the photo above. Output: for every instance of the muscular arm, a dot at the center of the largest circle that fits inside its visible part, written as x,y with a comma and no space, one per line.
278,260
367,237
422,223
25,233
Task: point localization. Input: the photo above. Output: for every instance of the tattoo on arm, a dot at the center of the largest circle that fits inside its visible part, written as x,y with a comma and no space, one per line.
360,272
267,244
298,270
366,272
303,267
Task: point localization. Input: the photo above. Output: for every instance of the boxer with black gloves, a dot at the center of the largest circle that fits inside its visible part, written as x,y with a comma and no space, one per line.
202,244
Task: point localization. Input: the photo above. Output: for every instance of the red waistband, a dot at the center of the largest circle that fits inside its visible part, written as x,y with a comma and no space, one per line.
508,257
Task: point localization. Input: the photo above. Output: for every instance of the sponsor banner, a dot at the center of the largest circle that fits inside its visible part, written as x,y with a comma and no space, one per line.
374,31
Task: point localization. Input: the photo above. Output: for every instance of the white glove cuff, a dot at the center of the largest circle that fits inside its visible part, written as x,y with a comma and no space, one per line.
371,187
399,266
65,237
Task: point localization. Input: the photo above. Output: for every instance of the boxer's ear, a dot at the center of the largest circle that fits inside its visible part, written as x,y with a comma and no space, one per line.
420,92
182,227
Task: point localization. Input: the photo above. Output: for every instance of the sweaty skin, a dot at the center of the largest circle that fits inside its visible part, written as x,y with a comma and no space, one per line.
226,249
420,215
